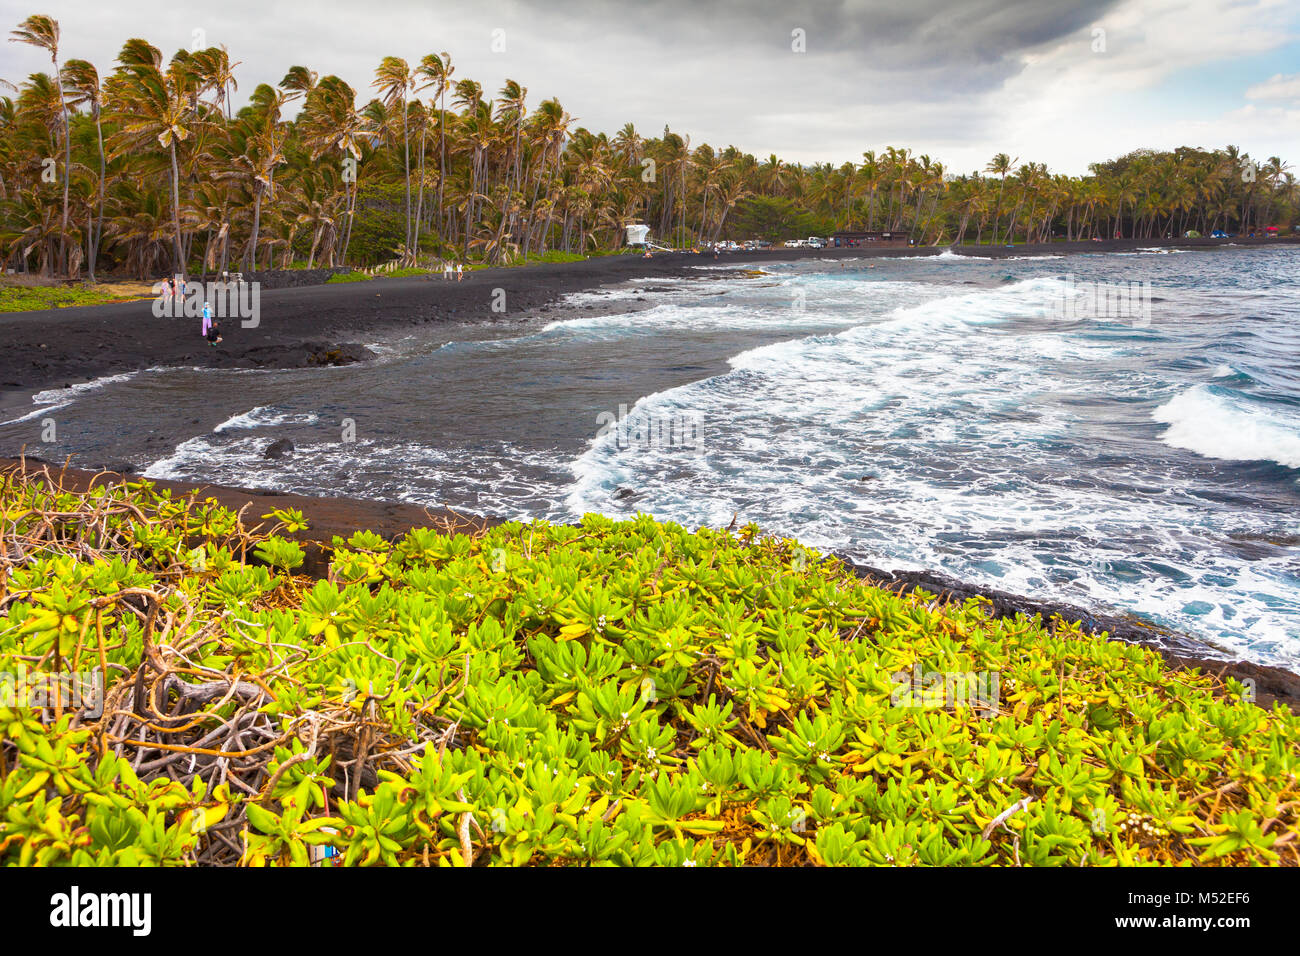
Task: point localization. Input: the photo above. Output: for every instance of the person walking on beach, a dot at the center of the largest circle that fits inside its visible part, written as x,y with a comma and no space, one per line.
446,270
460,271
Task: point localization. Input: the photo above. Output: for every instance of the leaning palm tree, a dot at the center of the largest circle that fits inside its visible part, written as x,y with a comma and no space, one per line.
435,70
331,123
151,106
42,31
81,87
395,81
262,152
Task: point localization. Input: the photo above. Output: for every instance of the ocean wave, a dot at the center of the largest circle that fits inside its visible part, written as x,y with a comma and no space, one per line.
263,416
52,399
1211,425
52,395
521,483
43,410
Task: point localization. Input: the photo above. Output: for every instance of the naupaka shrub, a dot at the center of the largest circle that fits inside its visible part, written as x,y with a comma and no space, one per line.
615,693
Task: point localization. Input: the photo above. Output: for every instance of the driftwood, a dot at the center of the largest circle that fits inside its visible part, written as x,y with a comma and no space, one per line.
174,720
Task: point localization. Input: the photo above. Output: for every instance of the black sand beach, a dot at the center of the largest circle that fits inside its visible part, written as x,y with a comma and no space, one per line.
330,324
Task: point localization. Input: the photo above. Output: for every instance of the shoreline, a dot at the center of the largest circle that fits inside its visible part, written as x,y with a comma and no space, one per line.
329,324
532,292
341,516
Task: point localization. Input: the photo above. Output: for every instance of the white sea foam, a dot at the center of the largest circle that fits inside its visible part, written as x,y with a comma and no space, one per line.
1213,426
901,400
263,416
52,399
996,445
52,395
43,410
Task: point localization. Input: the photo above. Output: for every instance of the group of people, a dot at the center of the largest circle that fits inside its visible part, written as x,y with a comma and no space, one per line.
210,329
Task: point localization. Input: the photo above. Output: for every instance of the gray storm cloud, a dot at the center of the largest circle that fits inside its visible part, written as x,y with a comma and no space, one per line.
929,74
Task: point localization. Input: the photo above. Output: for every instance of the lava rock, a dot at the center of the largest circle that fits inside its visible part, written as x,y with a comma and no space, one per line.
278,449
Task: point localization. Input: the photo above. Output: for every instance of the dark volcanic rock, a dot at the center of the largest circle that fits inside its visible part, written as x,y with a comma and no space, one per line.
293,278
278,449
346,354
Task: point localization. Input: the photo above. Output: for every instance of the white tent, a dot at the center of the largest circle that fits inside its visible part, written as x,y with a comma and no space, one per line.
636,235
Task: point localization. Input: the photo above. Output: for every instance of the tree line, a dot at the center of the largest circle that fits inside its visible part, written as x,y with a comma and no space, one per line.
148,169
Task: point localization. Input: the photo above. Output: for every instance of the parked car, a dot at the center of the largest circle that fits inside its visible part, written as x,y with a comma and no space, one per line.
815,242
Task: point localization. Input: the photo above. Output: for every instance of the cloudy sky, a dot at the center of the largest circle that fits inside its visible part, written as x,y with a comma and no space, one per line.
1064,82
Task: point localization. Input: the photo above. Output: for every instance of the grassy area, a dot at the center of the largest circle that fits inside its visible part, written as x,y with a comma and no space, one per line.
622,693
25,298
347,277
556,255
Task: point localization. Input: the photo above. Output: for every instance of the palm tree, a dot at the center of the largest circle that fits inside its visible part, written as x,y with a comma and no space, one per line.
999,165
395,82
81,86
870,175
552,124
151,106
262,153
330,123
436,71
43,32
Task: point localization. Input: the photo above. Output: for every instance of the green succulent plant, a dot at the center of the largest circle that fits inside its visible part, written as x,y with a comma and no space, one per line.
617,693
